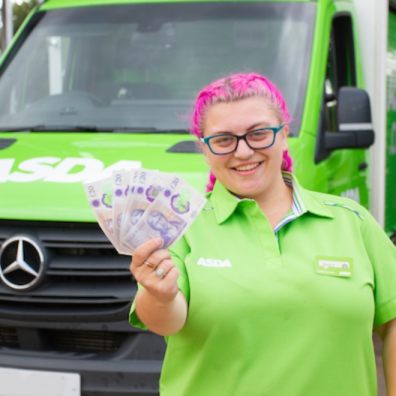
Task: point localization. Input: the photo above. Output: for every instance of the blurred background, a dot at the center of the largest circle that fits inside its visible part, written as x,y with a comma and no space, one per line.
13,12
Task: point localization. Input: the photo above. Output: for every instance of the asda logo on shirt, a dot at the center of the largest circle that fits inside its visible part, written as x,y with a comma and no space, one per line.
211,262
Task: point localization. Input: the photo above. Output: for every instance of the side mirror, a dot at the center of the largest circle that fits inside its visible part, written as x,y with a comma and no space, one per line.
354,121
355,129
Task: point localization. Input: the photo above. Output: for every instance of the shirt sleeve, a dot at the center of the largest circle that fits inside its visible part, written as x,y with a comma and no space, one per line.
133,318
382,254
178,252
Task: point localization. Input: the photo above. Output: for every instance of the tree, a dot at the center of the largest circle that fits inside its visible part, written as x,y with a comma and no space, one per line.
20,12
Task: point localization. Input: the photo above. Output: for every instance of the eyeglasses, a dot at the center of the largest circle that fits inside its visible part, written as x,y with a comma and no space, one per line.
227,143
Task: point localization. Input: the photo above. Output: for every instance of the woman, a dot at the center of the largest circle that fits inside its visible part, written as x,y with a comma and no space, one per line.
274,290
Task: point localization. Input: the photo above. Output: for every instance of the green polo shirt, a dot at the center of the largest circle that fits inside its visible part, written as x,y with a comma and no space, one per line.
284,312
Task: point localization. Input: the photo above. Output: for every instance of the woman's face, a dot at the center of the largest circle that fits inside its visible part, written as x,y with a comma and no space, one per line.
246,172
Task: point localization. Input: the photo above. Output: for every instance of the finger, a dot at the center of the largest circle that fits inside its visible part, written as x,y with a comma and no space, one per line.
162,270
144,251
154,260
173,275
170,280
150,264
145,272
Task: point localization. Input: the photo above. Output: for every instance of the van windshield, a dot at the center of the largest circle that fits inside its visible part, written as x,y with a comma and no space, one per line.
138,67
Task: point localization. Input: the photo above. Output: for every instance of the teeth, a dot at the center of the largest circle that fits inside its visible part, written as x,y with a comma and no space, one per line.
246,167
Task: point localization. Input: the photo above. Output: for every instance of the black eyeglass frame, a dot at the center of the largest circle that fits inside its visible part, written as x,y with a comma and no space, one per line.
206,140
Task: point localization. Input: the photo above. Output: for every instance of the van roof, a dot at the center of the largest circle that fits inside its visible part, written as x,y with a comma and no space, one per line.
51,4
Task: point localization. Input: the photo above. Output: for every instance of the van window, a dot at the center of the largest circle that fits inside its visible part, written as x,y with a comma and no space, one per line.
341,70
139,67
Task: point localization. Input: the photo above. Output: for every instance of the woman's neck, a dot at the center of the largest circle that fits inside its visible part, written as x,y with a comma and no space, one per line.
277,203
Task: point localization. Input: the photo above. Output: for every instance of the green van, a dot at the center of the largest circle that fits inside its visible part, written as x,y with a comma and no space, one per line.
90,85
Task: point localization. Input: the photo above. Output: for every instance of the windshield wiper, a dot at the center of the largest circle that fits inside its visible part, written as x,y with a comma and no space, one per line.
91,128
148,130
51,128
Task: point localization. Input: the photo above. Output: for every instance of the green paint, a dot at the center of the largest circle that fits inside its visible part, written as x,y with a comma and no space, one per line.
390,196
41,173
44,198
40,199
56,4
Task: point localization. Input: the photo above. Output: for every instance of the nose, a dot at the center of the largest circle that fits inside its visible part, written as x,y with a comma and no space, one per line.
243,150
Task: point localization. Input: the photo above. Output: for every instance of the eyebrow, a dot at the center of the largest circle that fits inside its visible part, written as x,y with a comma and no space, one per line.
257,125
262,124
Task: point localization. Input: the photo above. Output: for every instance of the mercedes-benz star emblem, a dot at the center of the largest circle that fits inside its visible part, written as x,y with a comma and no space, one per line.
22,262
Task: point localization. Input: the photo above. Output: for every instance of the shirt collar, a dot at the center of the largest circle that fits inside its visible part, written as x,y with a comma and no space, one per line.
224,202
309,201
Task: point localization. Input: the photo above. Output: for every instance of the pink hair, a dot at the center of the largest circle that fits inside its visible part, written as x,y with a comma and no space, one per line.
231,89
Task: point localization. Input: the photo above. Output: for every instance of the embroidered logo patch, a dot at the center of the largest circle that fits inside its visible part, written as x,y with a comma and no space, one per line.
211,262
334,266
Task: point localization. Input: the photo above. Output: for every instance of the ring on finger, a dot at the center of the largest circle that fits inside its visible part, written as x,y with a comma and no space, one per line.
160,273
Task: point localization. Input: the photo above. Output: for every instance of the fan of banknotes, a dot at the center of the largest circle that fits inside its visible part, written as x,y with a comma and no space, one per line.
132,206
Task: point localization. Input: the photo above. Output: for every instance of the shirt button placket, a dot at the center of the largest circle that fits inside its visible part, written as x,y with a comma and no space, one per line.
264,232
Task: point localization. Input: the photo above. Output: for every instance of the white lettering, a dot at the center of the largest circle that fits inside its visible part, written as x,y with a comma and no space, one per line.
33,169
334,264
211,262
73,170
58,170
5,168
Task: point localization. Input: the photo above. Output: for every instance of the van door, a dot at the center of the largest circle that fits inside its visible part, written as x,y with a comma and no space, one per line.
390,192
346,168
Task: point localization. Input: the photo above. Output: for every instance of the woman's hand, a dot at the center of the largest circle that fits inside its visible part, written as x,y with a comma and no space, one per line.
153,268
159,303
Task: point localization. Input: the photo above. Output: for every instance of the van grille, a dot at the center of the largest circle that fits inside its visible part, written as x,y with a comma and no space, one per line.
85,277
83,344
65,341
85,341
8,337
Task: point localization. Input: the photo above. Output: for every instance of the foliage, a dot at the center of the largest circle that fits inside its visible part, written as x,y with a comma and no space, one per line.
20,12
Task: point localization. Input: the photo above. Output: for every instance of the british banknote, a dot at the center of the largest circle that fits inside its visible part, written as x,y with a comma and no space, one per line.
100,196
144,186
133,206
169,215
121,180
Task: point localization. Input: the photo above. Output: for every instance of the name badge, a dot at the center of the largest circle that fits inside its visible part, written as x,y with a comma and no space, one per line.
334,266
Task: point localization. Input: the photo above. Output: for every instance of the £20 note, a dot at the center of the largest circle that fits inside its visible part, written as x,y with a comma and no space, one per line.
100,196
168,217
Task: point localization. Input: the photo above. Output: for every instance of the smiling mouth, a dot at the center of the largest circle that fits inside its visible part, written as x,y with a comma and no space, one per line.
247,168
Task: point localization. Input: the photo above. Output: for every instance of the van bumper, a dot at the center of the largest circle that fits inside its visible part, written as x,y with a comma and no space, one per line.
112,376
